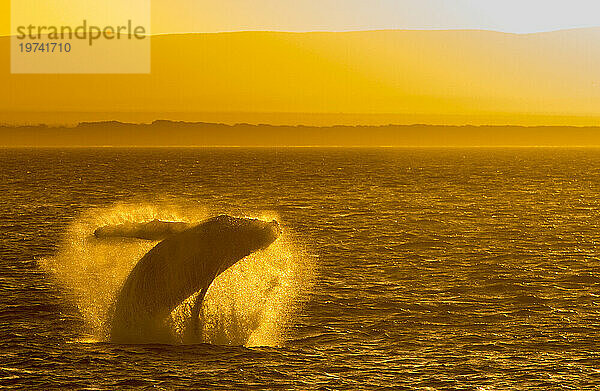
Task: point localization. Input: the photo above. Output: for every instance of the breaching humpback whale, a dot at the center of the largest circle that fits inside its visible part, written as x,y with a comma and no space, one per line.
179,266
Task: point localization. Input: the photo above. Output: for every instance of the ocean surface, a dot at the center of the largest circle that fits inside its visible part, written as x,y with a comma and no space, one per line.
416,269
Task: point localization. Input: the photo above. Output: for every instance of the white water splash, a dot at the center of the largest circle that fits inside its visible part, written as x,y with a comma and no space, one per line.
250,304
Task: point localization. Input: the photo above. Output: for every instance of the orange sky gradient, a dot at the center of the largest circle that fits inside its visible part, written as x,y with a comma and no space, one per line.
368,77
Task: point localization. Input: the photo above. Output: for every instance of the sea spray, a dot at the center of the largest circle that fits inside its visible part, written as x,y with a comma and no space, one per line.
253,301
250,304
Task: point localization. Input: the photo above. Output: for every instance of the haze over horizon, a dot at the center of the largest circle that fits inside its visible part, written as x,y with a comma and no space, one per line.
366,78
332,62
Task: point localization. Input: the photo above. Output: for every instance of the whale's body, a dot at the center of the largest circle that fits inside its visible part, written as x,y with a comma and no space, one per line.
176,268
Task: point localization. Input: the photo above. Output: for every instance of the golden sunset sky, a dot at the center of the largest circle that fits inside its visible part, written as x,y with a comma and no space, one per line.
508,76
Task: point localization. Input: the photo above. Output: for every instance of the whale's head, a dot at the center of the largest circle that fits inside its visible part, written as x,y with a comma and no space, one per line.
239,237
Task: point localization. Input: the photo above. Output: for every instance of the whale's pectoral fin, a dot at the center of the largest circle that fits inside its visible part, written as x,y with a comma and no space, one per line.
196,324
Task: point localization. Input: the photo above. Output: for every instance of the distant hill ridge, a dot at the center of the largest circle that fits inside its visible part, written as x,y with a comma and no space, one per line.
181,134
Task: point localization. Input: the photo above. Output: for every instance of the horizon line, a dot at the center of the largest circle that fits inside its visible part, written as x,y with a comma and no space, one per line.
182,122
195,146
